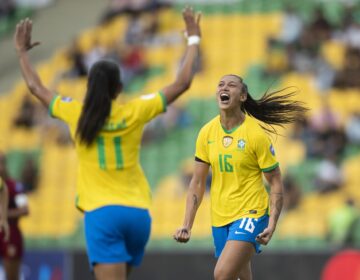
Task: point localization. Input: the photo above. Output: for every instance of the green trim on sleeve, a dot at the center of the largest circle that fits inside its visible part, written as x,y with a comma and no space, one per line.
51,106
271,168
163,99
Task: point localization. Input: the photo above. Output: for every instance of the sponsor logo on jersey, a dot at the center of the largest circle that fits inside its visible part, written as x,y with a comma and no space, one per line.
272,150
227,140
241,144
66,99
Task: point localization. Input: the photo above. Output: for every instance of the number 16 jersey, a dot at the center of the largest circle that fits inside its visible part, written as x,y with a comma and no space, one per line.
109,171
237,159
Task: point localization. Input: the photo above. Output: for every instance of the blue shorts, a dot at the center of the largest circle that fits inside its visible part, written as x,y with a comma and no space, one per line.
244,229
117,234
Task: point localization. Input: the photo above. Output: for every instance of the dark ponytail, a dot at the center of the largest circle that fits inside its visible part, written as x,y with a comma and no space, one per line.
274,108
103,86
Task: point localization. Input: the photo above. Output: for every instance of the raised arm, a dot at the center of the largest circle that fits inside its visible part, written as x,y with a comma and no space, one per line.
22,41
185,74
194,198
276,203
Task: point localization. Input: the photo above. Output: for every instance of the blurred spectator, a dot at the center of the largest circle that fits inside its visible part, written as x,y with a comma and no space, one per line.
342,222
132,7
276,61
142,28
7,8
325,118
292,194
29,175
328,137
26,115
328,176
11,251
352,129
322,134
95,54
76,57
320,26
303,53
324,75
291,26
347,77
132,62
351,36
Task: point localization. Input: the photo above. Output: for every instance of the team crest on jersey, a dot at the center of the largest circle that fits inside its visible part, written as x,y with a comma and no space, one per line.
227,140
241,144
272,150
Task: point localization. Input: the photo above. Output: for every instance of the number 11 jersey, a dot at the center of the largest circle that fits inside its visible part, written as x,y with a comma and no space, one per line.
109,171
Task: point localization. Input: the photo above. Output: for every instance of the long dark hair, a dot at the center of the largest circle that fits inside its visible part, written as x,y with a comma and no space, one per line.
274,108
103,86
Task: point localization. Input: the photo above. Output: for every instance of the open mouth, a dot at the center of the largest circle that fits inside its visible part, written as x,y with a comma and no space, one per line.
224,97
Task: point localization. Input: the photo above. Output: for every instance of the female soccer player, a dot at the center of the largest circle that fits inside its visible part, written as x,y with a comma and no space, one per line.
11,240
4,202
111,189
239,153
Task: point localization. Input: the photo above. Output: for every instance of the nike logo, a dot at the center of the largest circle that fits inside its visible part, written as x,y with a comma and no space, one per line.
210,142
239,232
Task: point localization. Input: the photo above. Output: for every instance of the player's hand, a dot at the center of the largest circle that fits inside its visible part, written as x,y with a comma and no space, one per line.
182,235
192,22
22,37
4,227
264,237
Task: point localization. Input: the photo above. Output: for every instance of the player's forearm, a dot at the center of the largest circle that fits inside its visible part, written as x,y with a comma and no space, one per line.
193,201
33,80
276,204
185,74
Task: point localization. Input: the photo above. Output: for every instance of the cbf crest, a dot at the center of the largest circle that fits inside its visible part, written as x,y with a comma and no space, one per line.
241,144
227,140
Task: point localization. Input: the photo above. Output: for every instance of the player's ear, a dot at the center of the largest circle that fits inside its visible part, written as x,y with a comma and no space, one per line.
243,97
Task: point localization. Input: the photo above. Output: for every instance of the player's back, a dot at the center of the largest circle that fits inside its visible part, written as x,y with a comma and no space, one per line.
109,171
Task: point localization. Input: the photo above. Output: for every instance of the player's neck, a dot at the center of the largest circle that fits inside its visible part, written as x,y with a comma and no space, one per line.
231,119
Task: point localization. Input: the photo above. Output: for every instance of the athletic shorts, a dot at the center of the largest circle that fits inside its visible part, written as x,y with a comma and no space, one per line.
244,229
117,234
13,248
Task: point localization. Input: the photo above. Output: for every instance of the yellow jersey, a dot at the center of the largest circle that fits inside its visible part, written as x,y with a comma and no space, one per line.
109,171
237,159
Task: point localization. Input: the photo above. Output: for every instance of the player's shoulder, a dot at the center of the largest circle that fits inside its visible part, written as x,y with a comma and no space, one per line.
66,99
214,122
66,102
140,100
253,127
